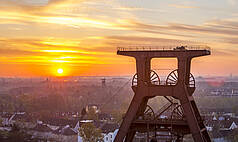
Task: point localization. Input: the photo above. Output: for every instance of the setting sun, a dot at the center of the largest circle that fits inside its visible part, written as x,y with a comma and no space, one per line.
60,71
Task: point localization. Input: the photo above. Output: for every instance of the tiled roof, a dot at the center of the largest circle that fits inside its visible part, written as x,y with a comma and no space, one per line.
42,128
60,122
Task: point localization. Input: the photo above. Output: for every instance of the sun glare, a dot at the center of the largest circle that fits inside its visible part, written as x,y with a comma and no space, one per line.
60,71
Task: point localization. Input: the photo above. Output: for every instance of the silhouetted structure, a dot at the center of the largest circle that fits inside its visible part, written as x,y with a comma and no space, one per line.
184,117
103,82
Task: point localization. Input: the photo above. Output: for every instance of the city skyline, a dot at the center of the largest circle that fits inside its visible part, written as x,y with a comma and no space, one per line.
40,37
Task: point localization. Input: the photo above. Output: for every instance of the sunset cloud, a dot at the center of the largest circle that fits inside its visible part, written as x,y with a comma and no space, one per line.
86,33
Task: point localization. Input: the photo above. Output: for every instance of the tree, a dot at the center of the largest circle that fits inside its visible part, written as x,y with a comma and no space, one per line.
90,133
1,121
16,135
92,114
233,136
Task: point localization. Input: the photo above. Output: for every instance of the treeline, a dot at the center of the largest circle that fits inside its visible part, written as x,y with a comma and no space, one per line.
226,103
66,102
34,103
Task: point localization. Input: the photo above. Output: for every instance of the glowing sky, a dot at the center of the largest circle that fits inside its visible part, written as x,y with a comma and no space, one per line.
39,36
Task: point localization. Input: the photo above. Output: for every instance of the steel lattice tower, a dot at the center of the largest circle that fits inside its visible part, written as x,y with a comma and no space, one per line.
180,86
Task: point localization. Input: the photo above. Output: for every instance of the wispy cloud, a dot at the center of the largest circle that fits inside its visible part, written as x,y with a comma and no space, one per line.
55,12
183,6
220,30
232,2
39,51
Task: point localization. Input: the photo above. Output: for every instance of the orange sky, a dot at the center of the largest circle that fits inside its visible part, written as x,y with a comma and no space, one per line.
38,37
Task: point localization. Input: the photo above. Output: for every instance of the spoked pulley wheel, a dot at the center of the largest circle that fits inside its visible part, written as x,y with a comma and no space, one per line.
154,78
172,79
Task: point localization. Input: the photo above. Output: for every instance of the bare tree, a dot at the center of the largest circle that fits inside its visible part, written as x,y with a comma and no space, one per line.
90,133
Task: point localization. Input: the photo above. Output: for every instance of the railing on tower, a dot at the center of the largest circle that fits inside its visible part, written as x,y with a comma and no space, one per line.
164,48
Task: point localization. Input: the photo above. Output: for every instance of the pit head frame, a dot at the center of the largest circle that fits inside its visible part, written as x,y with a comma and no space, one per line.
181,90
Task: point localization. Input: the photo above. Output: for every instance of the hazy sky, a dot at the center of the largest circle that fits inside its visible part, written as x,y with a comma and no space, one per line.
39,36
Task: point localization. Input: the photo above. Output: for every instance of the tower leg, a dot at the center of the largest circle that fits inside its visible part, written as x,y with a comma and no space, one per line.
179,138
190,109
130,136
194,120
128,119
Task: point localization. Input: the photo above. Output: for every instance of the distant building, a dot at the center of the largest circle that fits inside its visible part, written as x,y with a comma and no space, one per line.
104,82
109,137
